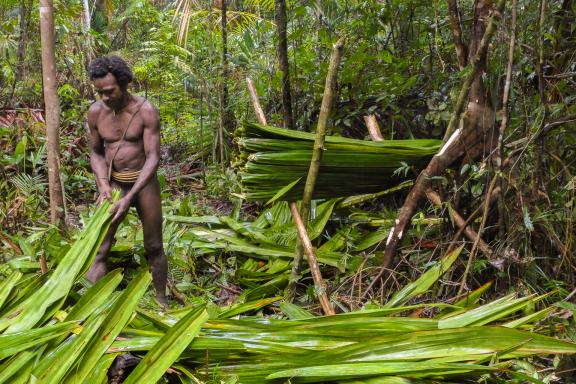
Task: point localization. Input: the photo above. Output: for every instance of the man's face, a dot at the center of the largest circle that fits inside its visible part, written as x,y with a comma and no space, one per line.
109,91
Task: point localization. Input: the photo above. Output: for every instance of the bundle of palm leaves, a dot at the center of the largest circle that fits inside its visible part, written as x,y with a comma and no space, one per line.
273,158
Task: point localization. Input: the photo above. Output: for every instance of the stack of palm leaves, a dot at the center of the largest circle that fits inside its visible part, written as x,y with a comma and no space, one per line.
273,158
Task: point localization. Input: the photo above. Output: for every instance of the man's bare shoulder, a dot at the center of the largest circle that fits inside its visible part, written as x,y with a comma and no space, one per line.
149,113
95,108
94,111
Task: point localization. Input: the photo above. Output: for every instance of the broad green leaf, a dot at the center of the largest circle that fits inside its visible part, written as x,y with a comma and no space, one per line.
15,342
57,365
100,373
15,364
95,296
294,312
246,307
282,191
58,285
152,367
351,370
487,313
118,317
425,281
533,317
7,284
388,380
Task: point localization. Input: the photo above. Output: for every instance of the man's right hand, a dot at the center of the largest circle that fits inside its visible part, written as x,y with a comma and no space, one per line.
105,193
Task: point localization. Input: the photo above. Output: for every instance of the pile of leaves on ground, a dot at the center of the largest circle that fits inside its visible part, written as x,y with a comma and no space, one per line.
57,328
273,158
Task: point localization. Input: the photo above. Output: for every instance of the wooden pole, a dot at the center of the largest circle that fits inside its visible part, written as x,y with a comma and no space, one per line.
300,228
312,261
325,108
373,128
255,102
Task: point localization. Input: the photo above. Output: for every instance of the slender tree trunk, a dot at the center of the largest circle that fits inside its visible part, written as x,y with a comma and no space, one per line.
24,25
99,18
224,84
282,51
504,123
52,108
86,7
215,128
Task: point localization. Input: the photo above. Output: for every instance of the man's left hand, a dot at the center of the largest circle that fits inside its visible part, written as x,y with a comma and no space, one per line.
120,209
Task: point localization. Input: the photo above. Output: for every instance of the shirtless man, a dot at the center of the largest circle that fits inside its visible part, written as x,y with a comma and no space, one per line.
124,155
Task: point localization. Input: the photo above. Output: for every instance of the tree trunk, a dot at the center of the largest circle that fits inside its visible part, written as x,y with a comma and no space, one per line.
99,16
86,7
224,116
52,110
282,51
24,25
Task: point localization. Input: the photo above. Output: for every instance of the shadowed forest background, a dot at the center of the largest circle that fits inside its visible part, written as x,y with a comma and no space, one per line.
457,190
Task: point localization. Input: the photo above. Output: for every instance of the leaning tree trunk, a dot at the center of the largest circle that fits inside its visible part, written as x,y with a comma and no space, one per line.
476,127
52,110
282,51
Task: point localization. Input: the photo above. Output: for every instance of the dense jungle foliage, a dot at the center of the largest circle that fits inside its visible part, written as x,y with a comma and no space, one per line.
447,250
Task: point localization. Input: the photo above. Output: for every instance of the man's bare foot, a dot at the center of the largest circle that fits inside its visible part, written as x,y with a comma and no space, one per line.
163,301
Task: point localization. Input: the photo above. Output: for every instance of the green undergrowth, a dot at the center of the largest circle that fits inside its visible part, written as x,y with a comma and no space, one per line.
236,325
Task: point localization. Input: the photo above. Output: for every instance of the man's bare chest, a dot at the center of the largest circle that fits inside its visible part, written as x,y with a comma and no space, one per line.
113,128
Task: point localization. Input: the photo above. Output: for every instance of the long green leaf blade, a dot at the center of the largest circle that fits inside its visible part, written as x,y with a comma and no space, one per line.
169,348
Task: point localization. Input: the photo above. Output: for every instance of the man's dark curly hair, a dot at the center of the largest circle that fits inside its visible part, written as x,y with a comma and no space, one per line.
111,64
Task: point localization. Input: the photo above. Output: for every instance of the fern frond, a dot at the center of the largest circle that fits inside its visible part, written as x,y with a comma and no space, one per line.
28,185
267,5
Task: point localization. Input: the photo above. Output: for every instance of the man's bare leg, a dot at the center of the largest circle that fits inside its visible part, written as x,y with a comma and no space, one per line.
99,269
149,209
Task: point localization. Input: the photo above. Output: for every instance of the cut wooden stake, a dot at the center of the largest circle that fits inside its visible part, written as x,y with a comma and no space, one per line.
312,261
300,227
256,102
325,108
373,128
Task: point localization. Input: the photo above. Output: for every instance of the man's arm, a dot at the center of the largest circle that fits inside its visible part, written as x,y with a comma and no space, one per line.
97,155
151,143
